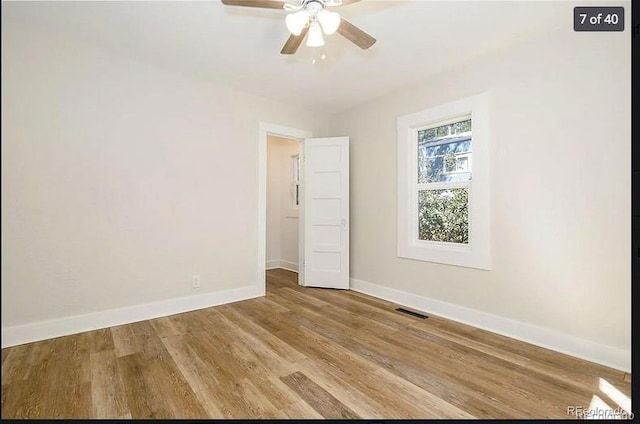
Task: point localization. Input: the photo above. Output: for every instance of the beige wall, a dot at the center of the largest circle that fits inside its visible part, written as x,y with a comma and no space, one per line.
120,180
560,185
282,218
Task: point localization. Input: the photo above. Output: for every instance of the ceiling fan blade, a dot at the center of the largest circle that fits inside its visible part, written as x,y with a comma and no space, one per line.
355,34
293,42
267,4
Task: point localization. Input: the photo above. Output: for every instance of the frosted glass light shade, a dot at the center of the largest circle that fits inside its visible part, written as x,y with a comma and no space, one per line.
330,21
297,21
314,39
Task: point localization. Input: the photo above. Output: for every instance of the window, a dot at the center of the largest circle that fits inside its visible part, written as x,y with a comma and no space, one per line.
295,181
443,151
443,184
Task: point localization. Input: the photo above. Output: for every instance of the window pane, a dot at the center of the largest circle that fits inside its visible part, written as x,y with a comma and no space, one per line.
443,215
444,152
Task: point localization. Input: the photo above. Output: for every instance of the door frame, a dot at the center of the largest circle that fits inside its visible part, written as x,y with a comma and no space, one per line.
264,130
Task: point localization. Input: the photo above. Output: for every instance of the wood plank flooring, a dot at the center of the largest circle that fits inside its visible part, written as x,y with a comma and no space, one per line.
298,353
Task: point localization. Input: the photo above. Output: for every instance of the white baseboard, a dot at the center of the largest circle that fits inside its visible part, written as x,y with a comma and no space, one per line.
20,334
290,266
544,337
280,263
273,264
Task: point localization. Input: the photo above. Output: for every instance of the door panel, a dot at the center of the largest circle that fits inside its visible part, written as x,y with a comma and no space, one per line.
326,209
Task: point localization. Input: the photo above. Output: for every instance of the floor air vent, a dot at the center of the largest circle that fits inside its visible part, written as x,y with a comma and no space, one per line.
412,313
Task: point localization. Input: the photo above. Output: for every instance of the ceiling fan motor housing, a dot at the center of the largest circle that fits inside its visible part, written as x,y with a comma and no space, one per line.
313,6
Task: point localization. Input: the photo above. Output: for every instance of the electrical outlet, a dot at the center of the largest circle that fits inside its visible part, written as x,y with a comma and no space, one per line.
195,281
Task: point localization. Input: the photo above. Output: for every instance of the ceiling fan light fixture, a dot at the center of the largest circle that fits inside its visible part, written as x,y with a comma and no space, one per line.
310,19
330,21
297,21
314,39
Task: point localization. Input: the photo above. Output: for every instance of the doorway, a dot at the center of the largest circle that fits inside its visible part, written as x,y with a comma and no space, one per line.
317,176
267,130
283,203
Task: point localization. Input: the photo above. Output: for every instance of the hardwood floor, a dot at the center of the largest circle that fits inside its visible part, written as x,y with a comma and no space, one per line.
298,353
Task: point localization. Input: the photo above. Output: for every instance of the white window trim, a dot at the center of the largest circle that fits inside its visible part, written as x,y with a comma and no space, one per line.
477,253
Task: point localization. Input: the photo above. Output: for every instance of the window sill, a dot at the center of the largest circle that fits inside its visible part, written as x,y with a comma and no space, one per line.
463,256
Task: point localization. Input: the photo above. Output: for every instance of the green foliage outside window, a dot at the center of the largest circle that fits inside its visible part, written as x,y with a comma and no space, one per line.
433,134
450,162
443,215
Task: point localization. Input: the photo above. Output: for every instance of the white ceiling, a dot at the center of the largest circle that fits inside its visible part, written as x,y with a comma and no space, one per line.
240,46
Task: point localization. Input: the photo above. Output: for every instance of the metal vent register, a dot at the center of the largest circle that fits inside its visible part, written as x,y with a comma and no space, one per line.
412,313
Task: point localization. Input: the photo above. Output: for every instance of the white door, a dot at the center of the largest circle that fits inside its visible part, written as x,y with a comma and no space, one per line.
326,212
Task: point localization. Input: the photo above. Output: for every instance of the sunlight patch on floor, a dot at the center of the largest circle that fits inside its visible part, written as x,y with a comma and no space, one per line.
622,400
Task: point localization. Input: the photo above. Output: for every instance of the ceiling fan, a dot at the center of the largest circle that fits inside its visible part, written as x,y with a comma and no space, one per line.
312,17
